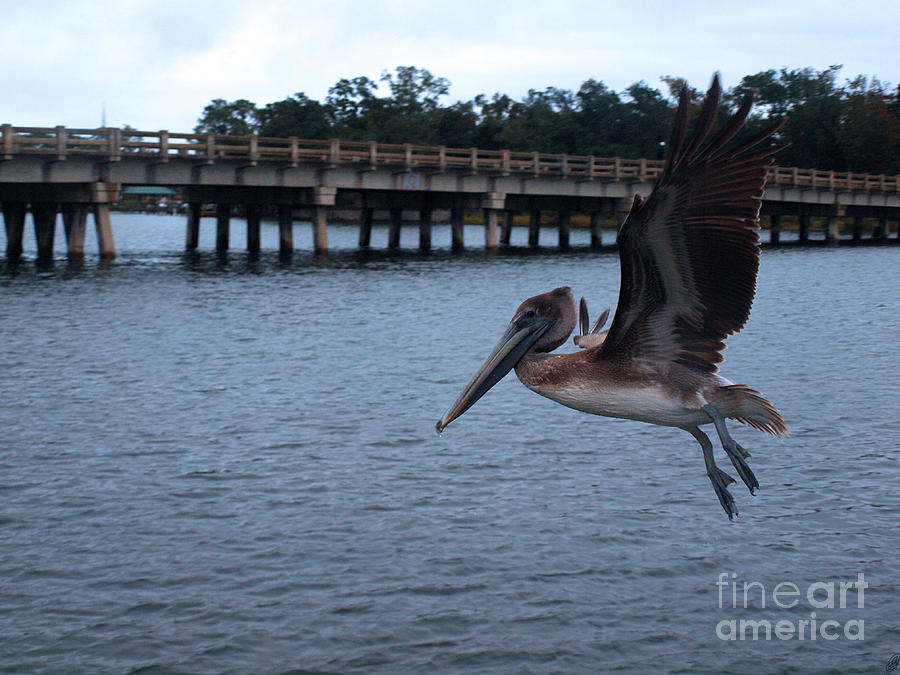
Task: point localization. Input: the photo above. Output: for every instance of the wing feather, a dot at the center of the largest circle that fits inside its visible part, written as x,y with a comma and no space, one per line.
689,254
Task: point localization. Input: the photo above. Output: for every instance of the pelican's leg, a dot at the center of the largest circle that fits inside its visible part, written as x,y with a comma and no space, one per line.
735,452
719,479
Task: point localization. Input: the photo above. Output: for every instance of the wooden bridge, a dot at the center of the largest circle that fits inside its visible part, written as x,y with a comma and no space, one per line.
76,171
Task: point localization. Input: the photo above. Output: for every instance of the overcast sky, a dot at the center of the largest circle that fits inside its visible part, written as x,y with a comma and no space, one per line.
155,64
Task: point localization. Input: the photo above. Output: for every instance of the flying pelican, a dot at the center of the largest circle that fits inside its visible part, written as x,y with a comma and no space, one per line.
593,338
689,256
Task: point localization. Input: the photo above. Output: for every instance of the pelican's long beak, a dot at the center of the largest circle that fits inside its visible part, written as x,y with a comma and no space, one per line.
520,336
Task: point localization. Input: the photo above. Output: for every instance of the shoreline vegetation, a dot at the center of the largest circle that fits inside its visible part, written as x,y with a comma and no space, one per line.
854,126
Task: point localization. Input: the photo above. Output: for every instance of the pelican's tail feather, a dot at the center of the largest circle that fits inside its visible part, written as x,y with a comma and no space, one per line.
749,407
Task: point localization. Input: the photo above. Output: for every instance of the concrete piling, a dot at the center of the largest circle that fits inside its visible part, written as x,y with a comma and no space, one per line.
425,216
534,228
285,229
74,223
498,213
396,224
192,236
44,216
320,229
596,229
103,225
803,228
775,229
223,226
366,216
253,227
491,239
457,239
14,220
565,220
506,228
832,230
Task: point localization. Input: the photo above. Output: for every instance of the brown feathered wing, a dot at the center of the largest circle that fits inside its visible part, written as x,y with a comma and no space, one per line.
689,253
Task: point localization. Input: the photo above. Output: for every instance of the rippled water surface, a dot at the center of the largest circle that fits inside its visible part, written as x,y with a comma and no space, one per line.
217,463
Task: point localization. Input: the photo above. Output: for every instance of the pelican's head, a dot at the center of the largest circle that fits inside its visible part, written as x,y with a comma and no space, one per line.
540,324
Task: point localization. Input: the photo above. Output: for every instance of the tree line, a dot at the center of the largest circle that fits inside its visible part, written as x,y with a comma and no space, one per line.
849,126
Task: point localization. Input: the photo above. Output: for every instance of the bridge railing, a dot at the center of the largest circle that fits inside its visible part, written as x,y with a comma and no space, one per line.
113,145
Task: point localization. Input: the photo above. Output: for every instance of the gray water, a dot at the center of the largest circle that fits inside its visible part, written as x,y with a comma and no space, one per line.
225,463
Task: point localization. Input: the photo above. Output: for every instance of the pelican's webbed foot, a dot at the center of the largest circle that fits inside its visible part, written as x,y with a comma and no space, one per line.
734,451
719,479
724,477
725,498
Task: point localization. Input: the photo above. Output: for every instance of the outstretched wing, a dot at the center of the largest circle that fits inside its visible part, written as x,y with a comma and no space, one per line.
689,253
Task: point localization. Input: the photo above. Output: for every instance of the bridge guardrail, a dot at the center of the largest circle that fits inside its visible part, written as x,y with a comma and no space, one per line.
112,144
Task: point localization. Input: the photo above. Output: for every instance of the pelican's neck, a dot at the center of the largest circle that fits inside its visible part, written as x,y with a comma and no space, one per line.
537,369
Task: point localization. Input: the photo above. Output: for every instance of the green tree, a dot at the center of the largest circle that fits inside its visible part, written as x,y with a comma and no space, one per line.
347,105
855,127
411,111
599,120
456,125
297,115
870,133
493,116
415,90
813,105
235,118
647,121
535,123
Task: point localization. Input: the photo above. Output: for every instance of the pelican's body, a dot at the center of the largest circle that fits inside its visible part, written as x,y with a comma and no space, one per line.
670,397
689,256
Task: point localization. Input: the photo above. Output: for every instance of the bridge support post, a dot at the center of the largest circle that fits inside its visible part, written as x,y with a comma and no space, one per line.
14,220
506,228
192,236
394,232
253,218
366,216
565,220
491,240
44,216
103,225
775,229
832,230
285,229
803,229
534,228
857,228
457,240
74,223
223,225
492,203
320,229
425,229
596,229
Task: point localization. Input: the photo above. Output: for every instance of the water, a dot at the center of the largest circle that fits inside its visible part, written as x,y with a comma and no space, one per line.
229,464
